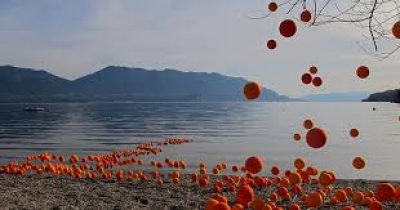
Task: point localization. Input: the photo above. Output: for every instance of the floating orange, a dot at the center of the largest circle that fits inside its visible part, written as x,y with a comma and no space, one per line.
313,70
297,137
271,44
254,164
316,138
234,169
354,133
275,170
308,124
305,16
306,78
287,28
273,6
396,30
317,81
358,163
299,163
362,72
252,90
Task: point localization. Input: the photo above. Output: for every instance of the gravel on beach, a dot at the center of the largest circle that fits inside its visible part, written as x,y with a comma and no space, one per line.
56,192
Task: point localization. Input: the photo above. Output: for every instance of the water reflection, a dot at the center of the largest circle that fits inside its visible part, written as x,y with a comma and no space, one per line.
222,132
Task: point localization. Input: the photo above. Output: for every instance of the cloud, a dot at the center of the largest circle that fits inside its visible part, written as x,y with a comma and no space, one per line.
74,38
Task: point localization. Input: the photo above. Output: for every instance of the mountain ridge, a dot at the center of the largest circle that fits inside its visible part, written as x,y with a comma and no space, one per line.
392,96
118,83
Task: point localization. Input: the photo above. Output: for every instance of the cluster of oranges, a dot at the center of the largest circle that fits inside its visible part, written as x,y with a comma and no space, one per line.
307,78
94,166
287,28
315,138
304,186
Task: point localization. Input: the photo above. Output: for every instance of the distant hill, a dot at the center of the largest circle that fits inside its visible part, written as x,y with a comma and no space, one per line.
24,81
392,96
337,97
115,83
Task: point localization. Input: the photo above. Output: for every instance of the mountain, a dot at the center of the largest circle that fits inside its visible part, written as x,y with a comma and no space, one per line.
337,97
392,96
168,83
24,81
115,83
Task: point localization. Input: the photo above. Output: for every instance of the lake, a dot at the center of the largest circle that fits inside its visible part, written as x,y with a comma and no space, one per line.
221,131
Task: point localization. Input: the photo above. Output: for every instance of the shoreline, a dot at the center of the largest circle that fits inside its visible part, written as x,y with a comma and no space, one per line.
59,192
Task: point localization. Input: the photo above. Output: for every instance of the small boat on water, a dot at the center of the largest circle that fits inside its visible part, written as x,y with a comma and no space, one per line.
33,109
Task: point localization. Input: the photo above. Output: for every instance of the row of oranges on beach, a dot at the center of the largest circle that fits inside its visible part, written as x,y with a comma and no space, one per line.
302,186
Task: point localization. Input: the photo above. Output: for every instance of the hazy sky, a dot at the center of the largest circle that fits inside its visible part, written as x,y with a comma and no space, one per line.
76,37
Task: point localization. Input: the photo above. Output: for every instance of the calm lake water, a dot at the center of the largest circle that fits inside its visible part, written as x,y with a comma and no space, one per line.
221,131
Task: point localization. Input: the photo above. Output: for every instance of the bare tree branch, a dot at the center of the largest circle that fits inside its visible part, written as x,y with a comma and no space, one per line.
376,17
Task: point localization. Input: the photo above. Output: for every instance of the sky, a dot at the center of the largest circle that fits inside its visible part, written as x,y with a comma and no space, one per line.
74,38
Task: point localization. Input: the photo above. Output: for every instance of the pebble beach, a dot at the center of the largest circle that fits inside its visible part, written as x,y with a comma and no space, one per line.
50,192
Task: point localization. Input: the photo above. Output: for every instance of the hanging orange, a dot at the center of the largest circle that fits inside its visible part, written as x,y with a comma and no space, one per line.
308,124
317,81
316,138
299,163
275,170
396,30
252,90
271,44
313,70
234,168
358,163
297,137
287,28
362,72
273,6
254,164
354,133
305,16
306,78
